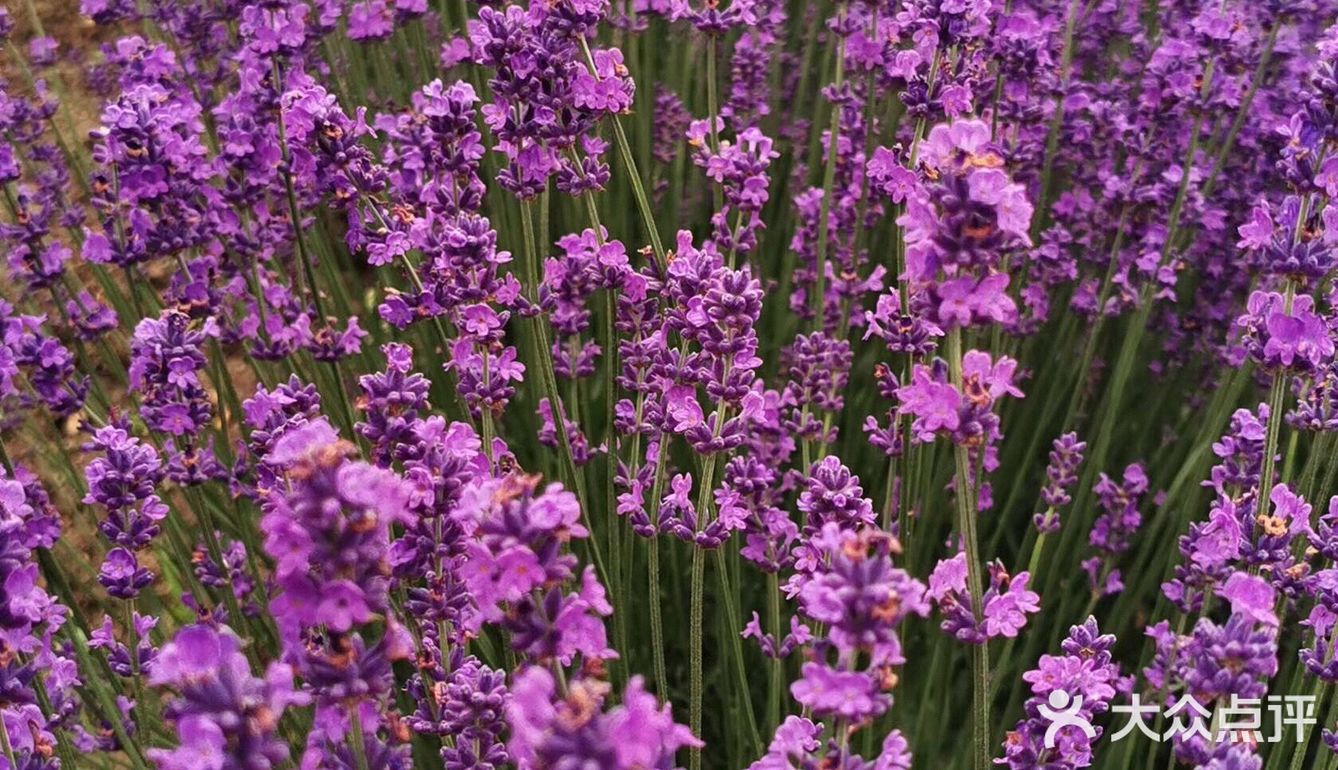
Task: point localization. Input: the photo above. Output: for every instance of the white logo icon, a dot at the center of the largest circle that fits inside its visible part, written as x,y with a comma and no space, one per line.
1064,711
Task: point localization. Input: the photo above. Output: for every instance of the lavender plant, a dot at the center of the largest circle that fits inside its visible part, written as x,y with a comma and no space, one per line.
651,384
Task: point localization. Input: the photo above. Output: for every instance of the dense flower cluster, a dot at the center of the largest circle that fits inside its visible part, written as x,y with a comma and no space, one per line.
222,712
576,384
1085,675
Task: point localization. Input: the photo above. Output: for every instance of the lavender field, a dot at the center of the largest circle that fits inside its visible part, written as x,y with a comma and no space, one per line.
655,384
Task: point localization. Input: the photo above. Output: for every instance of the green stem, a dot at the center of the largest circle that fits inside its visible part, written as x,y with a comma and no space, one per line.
542,362
698,578
828,182
1321,689
695,653
966,525
712,108
106,700
657,621
775,693
729,594
1056,123
294,215
1277,397
7,746
1242,112
638,189
1034,563
1129,347
357,741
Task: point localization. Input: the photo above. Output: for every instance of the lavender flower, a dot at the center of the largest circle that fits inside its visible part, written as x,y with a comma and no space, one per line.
515,570
1004,607
329,536
165,366
222,712
965,416
852,588
1282,335
552,730
1060,476
1086,675
123,482
1118,522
